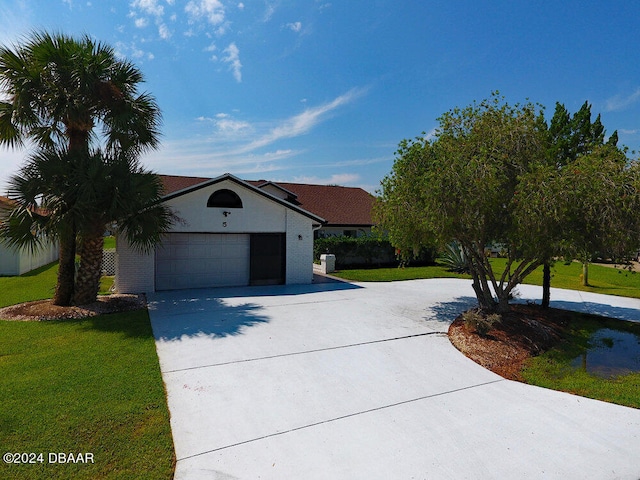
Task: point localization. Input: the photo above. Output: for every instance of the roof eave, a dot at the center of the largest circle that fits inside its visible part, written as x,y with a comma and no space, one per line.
233,178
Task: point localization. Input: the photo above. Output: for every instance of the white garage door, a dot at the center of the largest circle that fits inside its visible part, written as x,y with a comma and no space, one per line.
197,260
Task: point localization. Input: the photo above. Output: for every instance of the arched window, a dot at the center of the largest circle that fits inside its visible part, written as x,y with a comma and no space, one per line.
224,198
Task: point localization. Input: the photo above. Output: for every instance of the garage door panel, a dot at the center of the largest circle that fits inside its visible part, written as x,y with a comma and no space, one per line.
202,260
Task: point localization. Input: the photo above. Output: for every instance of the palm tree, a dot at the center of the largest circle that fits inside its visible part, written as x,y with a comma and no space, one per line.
122,196
60,91
58,190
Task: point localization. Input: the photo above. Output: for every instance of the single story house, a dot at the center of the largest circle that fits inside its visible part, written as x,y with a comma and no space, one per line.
18,261
346,210
231,233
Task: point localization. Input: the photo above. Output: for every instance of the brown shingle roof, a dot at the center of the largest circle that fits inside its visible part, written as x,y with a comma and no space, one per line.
174,183
337,205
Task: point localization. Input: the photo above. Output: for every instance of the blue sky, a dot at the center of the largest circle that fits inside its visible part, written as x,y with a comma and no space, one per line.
322,91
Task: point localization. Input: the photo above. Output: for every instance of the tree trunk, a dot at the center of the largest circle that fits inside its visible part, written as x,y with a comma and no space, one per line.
484,296
503,303
66,268
585,274
88,281
546,285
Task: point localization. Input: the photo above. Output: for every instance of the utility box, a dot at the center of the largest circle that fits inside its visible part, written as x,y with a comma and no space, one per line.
328,262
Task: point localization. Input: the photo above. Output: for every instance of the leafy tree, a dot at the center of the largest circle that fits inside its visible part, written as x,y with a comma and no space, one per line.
594,201
569,137
462,186
400,212
67,95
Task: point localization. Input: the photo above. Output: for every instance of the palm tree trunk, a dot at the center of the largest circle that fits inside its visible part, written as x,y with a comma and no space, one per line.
88,281
66,268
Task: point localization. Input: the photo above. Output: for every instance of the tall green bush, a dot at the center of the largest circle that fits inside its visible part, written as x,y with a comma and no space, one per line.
363,251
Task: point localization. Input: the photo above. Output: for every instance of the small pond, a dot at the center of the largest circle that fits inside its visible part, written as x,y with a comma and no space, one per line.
611,353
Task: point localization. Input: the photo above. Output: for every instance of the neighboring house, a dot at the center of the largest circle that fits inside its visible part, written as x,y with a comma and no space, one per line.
18,261
231,233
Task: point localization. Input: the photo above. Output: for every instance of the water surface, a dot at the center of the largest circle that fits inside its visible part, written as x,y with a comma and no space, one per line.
611,353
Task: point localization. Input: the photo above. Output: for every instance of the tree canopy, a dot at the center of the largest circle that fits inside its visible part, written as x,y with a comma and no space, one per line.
486,178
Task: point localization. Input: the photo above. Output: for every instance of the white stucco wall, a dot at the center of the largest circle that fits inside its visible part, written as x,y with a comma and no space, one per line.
135,273
299,250
257,215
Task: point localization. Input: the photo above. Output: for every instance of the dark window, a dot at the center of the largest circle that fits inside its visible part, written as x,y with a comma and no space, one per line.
224,199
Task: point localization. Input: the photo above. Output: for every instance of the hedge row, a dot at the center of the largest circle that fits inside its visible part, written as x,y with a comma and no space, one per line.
367,251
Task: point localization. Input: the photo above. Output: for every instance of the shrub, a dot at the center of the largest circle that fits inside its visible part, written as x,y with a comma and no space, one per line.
454,258
365,251
477,320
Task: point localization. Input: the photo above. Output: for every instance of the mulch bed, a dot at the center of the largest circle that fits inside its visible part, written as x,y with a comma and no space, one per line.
525,331
45,310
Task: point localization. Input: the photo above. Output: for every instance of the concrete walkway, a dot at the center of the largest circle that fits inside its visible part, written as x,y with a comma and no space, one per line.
359,381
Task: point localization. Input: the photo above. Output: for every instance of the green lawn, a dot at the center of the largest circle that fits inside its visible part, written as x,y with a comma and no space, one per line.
109,242
554,368
36,285
395,274
82,386
604,280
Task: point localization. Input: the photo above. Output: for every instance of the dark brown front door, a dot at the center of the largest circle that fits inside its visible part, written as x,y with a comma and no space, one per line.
267,259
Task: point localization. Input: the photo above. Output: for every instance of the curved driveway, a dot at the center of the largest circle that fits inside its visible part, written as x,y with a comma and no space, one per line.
359,381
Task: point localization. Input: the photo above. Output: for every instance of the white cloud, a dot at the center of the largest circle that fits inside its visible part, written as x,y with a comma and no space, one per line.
280,154
164,31
199,159
305,121
141,22
123,50
210,48
358,162
620,102
213,10
295,26
241,6
229,147
150,7
233,59
335,179
624,131
229,126
270,10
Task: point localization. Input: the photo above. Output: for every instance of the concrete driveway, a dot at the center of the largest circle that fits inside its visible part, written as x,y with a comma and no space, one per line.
359,381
